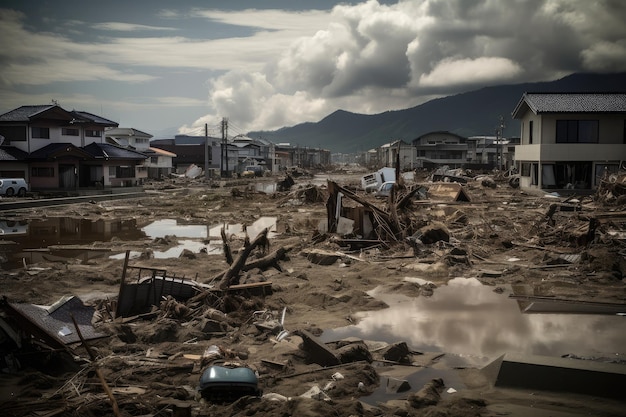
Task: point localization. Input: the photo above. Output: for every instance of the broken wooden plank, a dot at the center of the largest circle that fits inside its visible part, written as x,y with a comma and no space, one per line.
318,351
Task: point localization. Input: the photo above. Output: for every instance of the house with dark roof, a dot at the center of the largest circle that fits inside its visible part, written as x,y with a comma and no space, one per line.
570,140
53,148
158,162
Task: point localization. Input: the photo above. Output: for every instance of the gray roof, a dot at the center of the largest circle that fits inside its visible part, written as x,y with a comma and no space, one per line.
53,148
94,118
10,153
571,103
24,113
126,131
108,151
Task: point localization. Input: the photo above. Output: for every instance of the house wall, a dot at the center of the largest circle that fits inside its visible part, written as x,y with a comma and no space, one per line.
544,152
45,182
14,170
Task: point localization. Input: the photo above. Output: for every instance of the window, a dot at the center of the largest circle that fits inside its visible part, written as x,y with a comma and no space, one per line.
154,159
142,140
577,131
40,132
125,172
42,172
530,132
92,133
525,169
67,131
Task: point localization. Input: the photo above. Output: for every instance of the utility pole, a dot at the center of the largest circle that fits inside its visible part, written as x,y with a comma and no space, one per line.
206,151
225,145
502,164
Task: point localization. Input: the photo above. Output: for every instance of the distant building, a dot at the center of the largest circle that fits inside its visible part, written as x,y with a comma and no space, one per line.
400,151
441,148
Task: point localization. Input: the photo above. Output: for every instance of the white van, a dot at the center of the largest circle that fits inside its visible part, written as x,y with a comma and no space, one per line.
13,186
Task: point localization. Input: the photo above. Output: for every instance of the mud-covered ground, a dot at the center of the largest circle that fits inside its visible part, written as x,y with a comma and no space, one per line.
153,363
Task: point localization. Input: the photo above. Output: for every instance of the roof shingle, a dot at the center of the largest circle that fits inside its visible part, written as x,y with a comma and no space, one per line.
572,103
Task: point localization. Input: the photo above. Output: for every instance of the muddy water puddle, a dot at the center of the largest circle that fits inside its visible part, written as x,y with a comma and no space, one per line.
52,238
474,325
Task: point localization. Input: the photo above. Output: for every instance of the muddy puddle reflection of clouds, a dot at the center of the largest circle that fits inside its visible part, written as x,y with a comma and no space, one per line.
197,237
469,319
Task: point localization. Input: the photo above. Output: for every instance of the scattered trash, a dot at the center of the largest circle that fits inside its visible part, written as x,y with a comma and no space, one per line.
316,393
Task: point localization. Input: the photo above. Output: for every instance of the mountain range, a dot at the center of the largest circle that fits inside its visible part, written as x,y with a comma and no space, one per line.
467,114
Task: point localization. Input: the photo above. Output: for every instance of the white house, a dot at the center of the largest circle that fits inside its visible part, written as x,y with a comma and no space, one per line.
570,140
158,162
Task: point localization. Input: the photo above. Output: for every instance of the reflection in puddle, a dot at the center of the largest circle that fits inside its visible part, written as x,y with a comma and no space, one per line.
169,227
33,241
253,229
471,320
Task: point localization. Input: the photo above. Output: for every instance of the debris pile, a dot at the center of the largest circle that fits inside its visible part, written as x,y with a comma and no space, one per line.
245,335
612,189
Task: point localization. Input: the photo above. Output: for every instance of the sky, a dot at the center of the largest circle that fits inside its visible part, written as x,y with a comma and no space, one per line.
170,67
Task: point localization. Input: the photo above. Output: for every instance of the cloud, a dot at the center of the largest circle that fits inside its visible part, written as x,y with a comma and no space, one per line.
265,69
470,71
128,27
371,57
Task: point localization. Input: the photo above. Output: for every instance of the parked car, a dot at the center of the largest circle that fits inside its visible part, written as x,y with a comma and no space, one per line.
384,190
13,186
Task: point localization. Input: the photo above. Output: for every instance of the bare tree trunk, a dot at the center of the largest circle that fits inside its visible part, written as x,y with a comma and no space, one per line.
232,273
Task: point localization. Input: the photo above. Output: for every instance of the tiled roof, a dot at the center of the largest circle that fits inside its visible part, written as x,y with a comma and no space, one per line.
53,148
10,153
126,131
572,103
94,118
106,150
23,114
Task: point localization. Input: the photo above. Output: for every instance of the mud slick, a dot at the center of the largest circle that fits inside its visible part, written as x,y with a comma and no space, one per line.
102,315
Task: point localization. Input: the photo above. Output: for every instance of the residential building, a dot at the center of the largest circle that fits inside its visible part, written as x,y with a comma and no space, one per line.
59,149
158,162
192,150
400,151
570,140
488,152
301,156
440,148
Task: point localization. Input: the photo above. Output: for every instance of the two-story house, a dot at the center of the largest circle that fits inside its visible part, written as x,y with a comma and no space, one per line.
570,140
441,148
54,148
158,162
